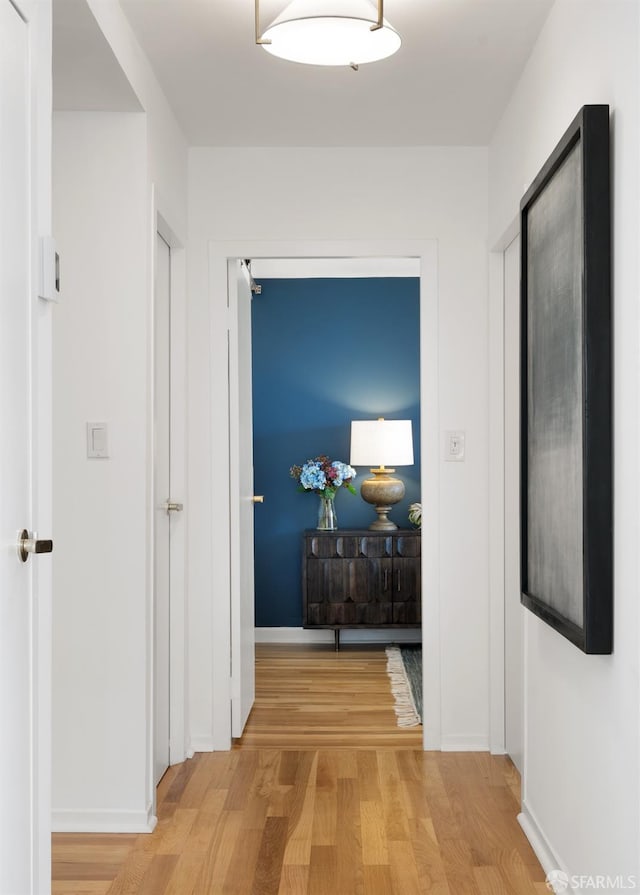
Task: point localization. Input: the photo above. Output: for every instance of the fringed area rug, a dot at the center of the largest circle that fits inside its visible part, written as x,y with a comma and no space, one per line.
404,667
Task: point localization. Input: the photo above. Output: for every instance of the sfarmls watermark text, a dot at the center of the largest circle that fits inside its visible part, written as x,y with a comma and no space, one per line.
558,881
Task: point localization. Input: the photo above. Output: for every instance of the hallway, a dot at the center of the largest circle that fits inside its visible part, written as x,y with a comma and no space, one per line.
347,816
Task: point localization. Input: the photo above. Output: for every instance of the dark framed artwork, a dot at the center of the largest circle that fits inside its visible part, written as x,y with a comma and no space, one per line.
565,399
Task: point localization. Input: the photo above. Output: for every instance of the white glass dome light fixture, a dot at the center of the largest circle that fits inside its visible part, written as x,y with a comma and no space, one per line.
330,32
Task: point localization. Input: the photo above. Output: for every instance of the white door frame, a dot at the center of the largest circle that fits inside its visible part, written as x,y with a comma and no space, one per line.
427,252
497,490
178,683
514,611
242,507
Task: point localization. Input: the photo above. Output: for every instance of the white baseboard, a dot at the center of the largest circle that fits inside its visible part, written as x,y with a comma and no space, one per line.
464,744
68,821
347,635
180,759
540,843
201,744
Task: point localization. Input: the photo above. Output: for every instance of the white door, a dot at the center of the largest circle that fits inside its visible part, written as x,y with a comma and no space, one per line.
22,777
241,498
513,608
162,513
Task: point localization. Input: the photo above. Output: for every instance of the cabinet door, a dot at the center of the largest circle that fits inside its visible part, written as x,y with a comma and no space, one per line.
406,592
372,581
375,605
353,591
407,599
327,591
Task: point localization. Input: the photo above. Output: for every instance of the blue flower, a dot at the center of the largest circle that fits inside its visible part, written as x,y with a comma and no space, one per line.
345,472
324,476
312,477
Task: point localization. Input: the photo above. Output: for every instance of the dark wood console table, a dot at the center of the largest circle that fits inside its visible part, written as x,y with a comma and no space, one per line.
361,579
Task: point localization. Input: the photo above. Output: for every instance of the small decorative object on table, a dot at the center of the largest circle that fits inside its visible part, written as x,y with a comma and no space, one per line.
415,514
324,476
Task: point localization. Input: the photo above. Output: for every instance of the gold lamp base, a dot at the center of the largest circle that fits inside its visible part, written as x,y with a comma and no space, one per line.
383,491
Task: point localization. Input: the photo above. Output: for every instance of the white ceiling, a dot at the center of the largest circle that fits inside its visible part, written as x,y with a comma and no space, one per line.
448,83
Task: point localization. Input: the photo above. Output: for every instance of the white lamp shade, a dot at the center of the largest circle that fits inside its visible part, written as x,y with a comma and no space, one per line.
381,443
330,32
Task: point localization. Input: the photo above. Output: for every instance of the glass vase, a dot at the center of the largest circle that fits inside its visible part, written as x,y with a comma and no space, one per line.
327,519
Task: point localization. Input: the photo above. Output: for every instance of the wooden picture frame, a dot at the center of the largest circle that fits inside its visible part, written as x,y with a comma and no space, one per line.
565,388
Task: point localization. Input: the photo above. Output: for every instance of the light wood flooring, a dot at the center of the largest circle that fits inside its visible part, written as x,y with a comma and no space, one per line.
313,697
323,795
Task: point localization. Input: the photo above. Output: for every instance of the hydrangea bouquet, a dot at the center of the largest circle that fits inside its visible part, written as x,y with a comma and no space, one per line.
324,476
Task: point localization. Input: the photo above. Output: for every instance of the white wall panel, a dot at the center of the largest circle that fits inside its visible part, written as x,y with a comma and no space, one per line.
100,506
581,712
112,175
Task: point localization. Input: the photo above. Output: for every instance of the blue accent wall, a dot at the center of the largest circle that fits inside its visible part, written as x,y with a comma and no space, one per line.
325,352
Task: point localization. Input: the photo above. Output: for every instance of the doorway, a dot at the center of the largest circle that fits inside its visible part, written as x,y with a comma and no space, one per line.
169,703
318,344
426,253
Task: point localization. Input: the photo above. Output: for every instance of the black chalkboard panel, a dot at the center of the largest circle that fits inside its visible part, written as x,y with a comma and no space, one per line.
566,466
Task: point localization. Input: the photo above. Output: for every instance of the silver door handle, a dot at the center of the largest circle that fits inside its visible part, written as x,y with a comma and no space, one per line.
172,506
28,545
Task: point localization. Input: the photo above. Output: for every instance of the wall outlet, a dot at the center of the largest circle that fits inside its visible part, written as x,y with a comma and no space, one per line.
454,446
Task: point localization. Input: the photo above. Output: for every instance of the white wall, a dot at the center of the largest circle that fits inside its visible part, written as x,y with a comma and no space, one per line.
581,796
166,147
100,506
107,167
354,194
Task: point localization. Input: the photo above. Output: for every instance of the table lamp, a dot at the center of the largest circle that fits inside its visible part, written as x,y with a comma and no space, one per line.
382,443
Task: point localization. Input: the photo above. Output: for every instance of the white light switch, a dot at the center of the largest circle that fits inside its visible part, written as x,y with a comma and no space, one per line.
97,440
454,446
49,285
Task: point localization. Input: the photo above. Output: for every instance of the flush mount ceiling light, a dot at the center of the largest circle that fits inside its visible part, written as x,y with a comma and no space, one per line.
329,32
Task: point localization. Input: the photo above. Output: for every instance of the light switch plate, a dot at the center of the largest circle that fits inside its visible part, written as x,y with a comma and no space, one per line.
97,441
454,446
49,285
